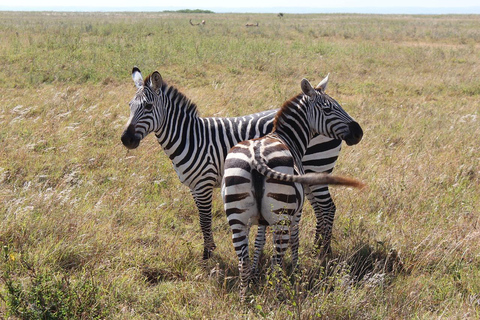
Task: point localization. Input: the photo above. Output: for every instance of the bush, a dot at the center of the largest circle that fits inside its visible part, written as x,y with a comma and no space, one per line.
41,294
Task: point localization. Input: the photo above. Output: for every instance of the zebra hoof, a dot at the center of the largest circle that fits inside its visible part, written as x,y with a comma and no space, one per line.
324,252
207,252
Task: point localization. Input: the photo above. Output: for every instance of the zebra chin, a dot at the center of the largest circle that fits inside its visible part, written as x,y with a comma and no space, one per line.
129,140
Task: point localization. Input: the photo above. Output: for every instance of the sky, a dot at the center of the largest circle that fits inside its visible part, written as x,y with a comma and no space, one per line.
299,6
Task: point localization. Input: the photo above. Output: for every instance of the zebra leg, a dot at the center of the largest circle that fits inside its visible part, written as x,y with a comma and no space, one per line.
259,244
294,242
240,242
203,200
324,207
281,240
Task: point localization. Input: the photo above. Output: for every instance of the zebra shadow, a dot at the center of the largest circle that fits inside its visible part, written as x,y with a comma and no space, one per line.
367,264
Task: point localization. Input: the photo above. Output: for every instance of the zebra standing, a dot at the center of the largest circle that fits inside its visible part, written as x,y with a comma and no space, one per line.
198,146
259,186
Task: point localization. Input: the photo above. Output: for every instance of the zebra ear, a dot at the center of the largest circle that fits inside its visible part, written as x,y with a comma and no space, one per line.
156,81
307,88
323,84
137,77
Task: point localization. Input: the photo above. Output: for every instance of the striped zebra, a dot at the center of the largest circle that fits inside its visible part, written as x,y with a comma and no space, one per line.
198,146
264,177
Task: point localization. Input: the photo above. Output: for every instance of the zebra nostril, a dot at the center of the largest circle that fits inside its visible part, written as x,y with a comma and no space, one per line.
356,130
355,135
126,138
129,138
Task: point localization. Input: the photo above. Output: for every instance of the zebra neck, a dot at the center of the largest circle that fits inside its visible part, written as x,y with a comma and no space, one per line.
178,134
297,148
180,122
291,126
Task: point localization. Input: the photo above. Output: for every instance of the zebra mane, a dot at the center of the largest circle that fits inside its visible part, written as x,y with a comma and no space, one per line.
178,99
285,109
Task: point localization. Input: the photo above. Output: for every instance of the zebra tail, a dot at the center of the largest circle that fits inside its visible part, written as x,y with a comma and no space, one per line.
324,178
312,178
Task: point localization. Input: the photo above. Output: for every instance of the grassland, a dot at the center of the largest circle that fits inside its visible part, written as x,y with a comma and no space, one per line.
91,230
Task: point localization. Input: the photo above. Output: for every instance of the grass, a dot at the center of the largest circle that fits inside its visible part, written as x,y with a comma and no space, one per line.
90,229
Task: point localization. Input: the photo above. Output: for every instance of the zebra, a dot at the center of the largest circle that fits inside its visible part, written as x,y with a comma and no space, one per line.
198,146
259,186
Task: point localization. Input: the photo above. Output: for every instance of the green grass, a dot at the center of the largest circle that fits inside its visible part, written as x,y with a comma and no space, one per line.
90,229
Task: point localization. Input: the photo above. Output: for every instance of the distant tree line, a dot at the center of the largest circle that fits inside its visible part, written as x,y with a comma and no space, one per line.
190,11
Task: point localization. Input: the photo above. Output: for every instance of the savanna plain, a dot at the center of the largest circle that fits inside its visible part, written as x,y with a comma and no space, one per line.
90,230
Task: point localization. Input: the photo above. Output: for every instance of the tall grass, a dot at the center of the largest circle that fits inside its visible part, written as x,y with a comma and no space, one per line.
90,229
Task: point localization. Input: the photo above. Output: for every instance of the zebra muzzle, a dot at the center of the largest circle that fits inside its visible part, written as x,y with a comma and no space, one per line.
355,134
130,139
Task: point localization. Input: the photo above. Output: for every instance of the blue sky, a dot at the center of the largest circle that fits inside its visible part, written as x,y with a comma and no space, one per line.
257,5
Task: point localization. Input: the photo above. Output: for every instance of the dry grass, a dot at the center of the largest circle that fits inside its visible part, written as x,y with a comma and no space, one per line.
90,230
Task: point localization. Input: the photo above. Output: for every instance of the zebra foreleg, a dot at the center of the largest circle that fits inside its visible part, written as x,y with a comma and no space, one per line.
326,218
203,200
325,209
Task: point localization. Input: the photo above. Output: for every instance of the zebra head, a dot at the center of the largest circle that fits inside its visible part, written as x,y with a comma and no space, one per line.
143,109
327,117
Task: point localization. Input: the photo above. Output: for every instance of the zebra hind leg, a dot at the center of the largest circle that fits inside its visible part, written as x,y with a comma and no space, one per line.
294,244
245,274
259,244
240,242
281,241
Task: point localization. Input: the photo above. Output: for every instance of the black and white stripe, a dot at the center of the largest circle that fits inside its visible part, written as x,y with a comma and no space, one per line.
263,179
198,146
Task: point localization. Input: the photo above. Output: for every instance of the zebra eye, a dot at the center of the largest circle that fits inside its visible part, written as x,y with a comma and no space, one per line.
148,106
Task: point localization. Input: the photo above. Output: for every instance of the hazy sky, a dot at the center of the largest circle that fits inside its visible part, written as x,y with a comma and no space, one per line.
240,4
287,6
